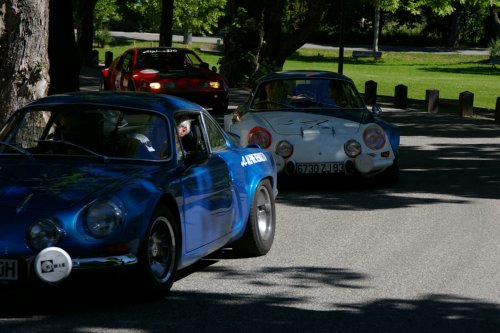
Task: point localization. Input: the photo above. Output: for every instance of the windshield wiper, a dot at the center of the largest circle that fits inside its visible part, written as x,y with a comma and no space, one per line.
18,149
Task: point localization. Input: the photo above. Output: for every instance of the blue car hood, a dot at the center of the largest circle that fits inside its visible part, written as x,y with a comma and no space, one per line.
57,185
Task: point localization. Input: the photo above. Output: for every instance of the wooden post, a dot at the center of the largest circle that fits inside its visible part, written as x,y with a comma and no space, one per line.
108,58
497,111
401,96
466,104
95,58
432,100
370,92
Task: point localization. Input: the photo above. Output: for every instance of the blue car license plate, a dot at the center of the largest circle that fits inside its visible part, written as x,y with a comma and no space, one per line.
308,168
8,269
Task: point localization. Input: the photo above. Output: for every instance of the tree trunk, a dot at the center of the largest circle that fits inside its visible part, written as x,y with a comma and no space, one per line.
63,52
376,26
85,30
496,20
454,27
167,22
187,38
279,42
24,63
260,39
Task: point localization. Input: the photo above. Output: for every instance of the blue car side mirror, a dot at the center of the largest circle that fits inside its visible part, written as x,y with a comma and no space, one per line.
376,109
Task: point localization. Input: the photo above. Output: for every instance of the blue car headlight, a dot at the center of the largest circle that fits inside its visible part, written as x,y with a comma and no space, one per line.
44,233
103,217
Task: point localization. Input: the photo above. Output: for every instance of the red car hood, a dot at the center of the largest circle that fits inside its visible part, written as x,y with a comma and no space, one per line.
181,74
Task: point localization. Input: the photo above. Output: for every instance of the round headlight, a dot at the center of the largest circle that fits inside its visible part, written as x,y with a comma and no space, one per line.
260,136
102,218
155,85
214,84
284,149
44,233
352,148
374,137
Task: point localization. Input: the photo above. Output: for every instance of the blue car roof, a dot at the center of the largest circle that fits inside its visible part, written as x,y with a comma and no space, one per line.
298,74
136,100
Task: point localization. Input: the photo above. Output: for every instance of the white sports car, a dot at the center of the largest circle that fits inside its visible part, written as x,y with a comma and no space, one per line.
315,122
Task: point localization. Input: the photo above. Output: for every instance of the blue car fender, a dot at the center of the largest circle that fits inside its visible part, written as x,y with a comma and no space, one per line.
255,164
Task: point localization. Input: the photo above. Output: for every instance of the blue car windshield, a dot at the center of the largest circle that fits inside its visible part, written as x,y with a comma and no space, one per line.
306,93
87,130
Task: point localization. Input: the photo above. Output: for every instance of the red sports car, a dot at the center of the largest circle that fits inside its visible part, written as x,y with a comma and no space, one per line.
173,71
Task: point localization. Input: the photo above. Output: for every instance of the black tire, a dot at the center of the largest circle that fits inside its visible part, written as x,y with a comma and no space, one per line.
259,234
159,254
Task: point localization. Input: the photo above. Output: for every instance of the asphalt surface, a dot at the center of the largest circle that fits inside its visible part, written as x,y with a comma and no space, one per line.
419,257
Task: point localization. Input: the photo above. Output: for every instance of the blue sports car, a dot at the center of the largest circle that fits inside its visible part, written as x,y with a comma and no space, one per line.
145,181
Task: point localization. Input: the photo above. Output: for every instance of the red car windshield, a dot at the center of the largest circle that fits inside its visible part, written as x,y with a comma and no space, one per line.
164,59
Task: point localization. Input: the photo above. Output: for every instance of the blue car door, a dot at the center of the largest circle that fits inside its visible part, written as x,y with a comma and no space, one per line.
208,195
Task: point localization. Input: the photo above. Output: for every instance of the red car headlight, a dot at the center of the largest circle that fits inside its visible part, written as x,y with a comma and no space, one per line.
261,136
155,85
214,84
374,137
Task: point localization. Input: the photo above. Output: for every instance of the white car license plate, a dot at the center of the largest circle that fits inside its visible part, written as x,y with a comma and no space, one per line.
8,269
307,168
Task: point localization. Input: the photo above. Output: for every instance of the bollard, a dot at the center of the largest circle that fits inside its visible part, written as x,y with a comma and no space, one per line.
497,111
95,58
401,96
108,58
370,92
465,104
432,100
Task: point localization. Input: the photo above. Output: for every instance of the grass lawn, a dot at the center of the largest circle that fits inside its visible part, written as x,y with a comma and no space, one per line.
451,74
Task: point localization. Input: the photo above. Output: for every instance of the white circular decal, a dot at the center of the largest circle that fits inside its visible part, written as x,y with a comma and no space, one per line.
53,265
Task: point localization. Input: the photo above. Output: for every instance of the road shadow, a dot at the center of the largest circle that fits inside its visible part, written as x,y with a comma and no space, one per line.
101,310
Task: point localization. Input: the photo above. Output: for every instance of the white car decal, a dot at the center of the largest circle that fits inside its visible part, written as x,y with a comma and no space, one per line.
252,159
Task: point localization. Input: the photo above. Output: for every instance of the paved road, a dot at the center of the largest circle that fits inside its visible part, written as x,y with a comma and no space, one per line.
421,257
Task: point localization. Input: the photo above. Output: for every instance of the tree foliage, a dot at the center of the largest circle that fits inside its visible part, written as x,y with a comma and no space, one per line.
105,11
198,16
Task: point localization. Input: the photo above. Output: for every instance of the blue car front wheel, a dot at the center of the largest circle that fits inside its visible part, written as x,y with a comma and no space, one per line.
160,253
